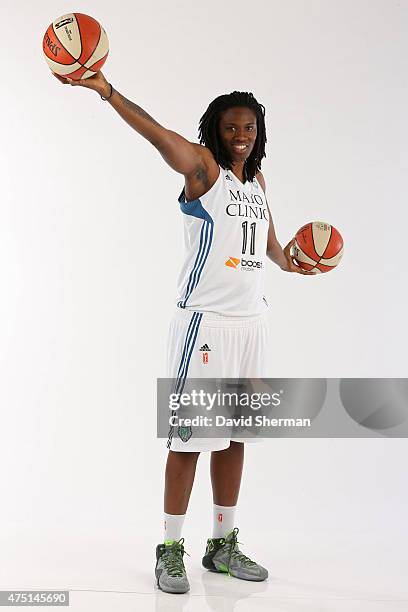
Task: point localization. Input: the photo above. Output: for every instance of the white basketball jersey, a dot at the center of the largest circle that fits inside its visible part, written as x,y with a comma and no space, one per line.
225,236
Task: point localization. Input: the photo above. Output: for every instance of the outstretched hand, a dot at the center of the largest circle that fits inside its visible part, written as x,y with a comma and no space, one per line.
291,266
97,82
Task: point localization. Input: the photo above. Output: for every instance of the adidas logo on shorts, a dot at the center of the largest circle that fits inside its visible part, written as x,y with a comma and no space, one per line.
205,347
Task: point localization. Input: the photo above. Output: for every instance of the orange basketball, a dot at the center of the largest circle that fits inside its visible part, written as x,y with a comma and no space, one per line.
318,247
75,46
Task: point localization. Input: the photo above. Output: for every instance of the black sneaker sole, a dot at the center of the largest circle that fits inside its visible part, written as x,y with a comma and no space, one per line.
208,563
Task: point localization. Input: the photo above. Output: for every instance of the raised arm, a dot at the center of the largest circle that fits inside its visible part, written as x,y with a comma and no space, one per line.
183,156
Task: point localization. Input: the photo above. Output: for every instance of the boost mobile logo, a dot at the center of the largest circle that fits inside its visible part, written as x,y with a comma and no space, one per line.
246,264
232,262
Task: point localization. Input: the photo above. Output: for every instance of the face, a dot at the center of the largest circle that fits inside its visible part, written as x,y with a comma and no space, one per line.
237,130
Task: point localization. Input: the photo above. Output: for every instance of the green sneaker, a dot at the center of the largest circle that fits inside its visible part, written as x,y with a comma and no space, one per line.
170,571
223,555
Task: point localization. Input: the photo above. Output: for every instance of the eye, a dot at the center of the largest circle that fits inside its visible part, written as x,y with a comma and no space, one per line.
251,128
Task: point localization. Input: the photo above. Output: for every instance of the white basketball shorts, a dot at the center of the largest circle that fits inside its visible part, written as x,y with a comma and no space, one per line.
209,345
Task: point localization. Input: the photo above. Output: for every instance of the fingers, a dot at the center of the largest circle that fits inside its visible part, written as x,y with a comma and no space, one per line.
62,79
289,246
307,272
300,270
59,77
66,80
294,267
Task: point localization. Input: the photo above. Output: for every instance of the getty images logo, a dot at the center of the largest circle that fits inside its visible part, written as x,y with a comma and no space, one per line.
248,265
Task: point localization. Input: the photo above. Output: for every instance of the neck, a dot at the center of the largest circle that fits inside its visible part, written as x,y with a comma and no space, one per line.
238,169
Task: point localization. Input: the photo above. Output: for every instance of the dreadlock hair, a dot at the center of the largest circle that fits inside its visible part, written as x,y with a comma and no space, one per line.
209,136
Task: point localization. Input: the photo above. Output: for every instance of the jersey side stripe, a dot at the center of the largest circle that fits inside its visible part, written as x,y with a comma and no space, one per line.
196,272
196,209
211,230
189,343
200,253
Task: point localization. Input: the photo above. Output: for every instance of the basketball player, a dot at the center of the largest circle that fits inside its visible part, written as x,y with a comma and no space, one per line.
220,309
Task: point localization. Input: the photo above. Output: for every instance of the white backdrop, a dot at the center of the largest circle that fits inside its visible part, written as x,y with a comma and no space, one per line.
91,245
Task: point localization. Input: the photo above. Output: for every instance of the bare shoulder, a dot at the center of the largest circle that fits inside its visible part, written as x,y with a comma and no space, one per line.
260,178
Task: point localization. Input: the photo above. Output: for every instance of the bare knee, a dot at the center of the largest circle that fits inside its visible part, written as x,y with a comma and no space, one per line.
181,461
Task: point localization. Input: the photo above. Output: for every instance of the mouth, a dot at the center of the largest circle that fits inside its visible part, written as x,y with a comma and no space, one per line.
240,147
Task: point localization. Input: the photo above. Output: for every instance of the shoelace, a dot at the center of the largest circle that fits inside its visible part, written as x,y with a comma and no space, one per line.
173,558
235,552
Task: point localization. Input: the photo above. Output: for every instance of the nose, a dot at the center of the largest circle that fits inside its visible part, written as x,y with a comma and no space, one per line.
240,139
240,134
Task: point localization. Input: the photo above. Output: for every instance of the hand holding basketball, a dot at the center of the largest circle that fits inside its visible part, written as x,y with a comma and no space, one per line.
75,47
97,83
318,247
291,266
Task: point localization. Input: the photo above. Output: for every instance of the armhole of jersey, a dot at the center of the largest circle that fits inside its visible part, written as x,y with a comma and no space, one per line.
182,195
260,185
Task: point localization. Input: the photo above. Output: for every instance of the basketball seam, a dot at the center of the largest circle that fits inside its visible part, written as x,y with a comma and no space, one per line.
64,47
328,242
304,253
313,240
80,37
316,263
82,47
325,265
96,46
322,257
99,60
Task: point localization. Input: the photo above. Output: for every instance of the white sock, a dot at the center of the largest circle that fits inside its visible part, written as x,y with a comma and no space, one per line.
223,520
173,524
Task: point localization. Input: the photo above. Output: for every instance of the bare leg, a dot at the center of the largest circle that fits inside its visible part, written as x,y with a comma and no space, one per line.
180,472
226,472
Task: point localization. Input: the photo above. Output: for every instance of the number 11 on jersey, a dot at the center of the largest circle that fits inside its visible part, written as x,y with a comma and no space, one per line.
245,237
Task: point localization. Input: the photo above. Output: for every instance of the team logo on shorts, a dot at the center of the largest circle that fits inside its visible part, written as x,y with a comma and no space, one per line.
185,433
205,348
